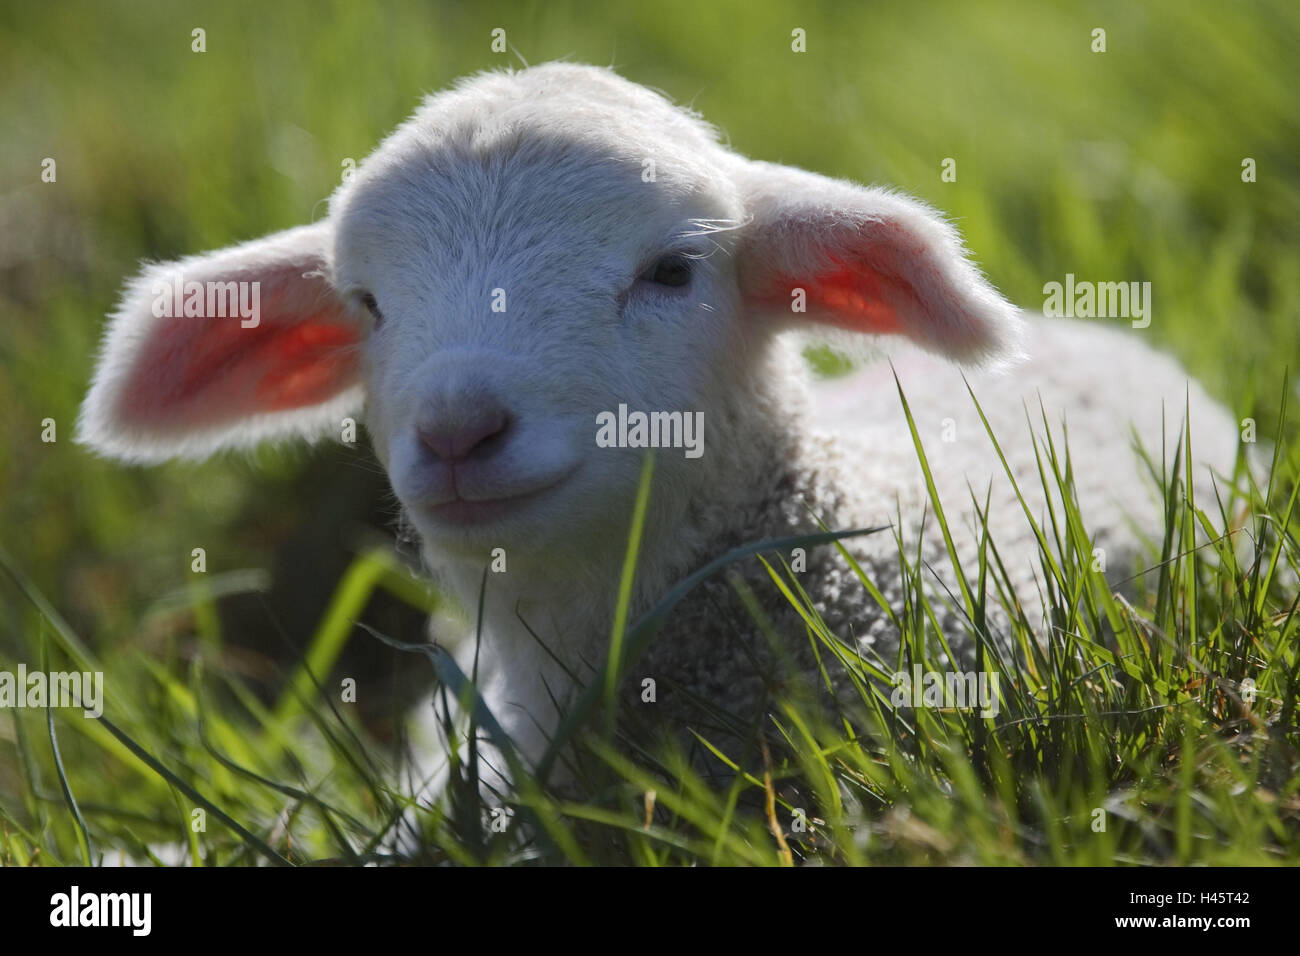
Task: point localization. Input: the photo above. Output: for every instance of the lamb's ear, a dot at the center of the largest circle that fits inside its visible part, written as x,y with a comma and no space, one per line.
867,260
225,350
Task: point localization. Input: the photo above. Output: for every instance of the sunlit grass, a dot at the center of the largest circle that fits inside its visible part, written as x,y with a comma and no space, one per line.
1155,734
1124,165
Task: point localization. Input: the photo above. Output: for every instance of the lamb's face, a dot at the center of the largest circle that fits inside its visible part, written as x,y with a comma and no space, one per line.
521,281
531,254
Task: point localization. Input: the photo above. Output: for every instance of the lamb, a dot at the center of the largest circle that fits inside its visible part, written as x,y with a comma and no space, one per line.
535,251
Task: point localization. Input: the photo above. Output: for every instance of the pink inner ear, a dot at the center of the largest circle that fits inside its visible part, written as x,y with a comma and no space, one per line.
857,300
852,295
197,371
865,281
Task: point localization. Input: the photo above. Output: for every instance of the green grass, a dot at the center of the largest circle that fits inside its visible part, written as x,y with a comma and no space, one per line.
1123,165
1165,735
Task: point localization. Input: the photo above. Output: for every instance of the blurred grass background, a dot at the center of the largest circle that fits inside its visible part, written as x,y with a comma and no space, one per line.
1116,166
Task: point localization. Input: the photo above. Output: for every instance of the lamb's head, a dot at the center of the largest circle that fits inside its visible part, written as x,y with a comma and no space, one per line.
529,251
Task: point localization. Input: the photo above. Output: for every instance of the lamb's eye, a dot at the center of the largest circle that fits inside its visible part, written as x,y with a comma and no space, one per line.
369,302
673,271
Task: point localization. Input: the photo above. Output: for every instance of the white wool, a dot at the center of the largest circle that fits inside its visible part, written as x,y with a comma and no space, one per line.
508,234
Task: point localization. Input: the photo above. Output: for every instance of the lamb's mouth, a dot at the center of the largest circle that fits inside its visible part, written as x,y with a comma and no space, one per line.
462,512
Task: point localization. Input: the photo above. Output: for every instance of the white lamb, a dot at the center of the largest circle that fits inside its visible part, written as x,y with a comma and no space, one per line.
533,250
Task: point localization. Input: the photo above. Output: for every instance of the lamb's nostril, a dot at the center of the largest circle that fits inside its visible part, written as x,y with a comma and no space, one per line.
460,438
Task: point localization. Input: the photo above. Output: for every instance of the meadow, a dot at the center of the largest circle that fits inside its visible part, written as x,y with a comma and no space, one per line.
1169,158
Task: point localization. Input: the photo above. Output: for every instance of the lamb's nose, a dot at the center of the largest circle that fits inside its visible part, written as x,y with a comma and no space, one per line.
459,437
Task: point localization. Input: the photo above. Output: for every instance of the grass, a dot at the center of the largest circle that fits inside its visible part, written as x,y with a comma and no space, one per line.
1165,735
1123,165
